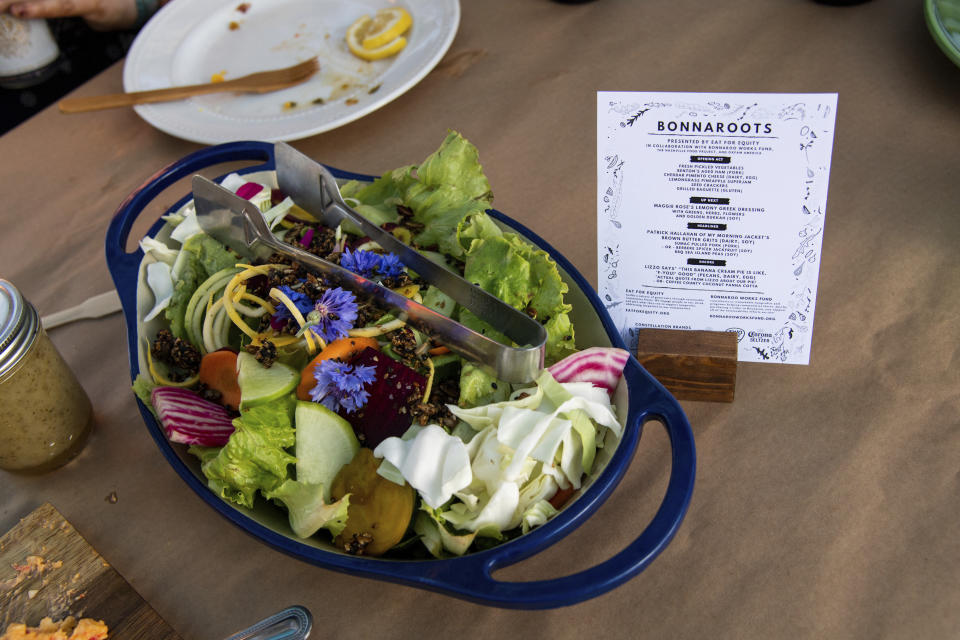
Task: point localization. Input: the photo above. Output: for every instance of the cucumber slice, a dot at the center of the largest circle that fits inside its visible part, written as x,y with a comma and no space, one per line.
325,442
259,385
434,298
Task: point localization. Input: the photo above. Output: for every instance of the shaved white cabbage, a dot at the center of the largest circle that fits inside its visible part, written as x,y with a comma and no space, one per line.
522,452
158,250
275,214
434,462
233,181
483,416
161,284
495,514
189,226
537,515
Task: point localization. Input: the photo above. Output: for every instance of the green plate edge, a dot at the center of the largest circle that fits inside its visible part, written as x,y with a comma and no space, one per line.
948,40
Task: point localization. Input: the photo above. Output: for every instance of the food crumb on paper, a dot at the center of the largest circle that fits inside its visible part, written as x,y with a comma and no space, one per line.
234,25
243,7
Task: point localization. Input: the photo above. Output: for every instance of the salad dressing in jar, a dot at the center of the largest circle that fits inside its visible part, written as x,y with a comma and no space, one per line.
45,415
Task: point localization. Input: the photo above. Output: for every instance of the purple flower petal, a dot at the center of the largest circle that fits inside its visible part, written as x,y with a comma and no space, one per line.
340,385
337,311
300,300
390,266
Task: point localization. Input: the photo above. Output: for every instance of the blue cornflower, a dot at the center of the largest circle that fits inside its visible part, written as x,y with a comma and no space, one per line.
390,266
340,385
372,265
279,319
333,315
361,262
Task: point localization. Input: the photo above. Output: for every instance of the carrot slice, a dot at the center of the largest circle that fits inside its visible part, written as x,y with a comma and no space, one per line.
218,370
561,497
343,349
439,351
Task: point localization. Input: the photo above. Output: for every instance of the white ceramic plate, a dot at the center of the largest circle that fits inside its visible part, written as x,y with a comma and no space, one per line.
190,41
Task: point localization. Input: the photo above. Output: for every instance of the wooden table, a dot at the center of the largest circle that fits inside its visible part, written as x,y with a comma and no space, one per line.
826,497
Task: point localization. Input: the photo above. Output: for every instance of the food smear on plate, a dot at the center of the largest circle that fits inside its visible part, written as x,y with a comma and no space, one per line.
379,36
372,435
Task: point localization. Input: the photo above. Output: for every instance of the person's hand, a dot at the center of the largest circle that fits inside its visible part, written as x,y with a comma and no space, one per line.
102,15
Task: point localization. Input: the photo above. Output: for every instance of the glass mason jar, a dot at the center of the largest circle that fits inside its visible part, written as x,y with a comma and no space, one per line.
45,415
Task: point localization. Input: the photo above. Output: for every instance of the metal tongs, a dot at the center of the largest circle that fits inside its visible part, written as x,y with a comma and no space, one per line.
240,225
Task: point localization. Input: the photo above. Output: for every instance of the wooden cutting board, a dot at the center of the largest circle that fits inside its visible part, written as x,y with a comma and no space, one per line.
48,569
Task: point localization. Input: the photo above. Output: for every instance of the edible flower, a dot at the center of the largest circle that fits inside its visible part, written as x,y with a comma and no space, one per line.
333,315
341,385
390,266
371,265
307,237
302,301
361,262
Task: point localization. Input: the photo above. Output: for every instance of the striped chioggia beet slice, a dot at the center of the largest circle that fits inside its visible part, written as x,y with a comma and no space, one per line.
601,366
189,419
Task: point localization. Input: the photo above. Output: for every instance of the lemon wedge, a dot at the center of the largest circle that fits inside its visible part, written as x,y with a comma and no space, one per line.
380,36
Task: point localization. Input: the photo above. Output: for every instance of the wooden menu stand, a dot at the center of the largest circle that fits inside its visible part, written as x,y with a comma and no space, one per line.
692,365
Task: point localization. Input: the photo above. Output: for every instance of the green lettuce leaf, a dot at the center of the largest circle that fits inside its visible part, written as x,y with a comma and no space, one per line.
390,187
143,388
477,227
528,279
442,210
498,266
307,509
255,457
456,162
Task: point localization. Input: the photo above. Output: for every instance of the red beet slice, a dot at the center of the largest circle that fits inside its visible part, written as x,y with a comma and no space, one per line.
385,413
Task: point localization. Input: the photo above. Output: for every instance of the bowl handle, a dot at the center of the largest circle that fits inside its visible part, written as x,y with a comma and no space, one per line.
469,577
124,267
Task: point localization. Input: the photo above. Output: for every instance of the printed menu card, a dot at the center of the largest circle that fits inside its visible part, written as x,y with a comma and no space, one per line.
711,214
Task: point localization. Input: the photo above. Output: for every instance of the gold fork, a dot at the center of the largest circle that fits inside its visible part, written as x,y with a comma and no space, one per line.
261,82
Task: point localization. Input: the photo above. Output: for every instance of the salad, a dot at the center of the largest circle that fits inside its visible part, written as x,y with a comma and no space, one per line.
292,391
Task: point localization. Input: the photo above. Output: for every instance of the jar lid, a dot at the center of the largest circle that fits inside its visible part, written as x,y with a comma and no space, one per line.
19,325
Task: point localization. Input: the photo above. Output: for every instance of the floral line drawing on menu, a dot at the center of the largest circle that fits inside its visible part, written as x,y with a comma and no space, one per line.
614,192
610,253
810,236
629,121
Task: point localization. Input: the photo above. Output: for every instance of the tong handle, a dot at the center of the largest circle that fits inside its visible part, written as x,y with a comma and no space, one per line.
293,623
241,225
509,321
511,364
316,190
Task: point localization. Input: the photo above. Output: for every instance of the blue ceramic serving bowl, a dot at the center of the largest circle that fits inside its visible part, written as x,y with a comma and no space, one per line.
639,399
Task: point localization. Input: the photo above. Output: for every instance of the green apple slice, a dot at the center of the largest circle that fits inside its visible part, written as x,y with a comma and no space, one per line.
259,384
325,442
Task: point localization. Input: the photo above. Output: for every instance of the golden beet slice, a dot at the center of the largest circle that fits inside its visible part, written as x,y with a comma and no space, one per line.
380,510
